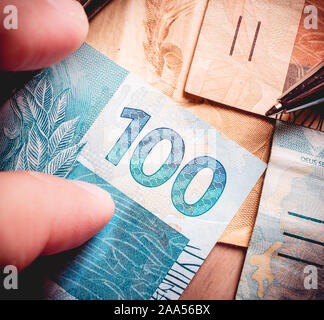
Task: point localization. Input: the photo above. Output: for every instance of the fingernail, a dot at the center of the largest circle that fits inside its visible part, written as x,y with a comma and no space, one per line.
71,8
93,189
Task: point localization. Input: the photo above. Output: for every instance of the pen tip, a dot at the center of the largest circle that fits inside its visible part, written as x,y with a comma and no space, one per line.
271,111
275,109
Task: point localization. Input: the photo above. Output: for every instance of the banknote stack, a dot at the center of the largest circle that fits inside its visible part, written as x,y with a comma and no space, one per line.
260,49
176,181
285,257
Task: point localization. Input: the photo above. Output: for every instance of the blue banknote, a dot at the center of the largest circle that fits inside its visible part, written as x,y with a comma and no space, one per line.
285,258
176,181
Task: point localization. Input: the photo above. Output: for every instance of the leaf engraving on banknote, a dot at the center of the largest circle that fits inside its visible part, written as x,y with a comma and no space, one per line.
40,137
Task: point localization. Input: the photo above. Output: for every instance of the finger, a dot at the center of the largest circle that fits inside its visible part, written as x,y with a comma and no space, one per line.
48,31
42,214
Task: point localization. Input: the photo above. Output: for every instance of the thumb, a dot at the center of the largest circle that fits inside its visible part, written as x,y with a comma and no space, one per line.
42,214
47,32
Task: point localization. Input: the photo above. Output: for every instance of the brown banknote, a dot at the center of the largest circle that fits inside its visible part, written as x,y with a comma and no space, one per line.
248,52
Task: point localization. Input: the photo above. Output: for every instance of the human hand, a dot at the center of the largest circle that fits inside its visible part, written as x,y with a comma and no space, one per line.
41,214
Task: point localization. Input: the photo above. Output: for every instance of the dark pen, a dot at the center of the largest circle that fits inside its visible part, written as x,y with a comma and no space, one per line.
13,81
307,92
93,7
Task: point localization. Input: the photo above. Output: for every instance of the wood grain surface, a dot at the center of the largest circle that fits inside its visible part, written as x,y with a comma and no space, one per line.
219,275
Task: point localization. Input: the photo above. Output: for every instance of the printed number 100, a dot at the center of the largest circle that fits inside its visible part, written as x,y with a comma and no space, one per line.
170,166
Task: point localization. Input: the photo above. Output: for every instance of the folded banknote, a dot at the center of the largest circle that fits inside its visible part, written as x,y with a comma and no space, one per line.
176,181
285,258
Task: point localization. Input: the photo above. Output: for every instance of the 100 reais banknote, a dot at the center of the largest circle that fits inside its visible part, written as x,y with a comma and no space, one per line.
176,181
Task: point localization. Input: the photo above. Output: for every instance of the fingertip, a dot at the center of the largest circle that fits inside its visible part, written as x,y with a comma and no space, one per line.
87,217
48,31
42,215
103,201
85,209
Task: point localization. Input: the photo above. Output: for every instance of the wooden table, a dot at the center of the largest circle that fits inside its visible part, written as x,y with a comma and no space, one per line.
219,275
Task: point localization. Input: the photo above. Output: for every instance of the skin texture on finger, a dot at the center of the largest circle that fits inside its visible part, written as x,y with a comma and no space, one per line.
42,215
48,31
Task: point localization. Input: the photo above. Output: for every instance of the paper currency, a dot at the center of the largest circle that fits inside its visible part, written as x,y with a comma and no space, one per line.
243,52
285,258
162,37
176,181
260,49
